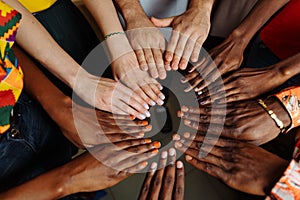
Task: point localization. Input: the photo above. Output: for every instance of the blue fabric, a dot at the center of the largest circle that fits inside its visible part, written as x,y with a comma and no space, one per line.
33,144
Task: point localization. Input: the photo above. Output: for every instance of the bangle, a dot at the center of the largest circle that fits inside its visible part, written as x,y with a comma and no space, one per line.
112,34
277,121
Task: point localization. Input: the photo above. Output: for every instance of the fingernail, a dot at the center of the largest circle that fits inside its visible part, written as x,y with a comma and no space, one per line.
186,134
156,144
179,114
182,65
152,103
203,102
187,89
160,102
140,135
178,144
146,106
154,151
200,92
132,117
172,151
149,127
164,155
189,158
161,96
176,137
182,141
174,66
147,141
160,87
142,116
183,80
179,164
187,122
184,109
153,166
147,113
144,163
169,58
144,123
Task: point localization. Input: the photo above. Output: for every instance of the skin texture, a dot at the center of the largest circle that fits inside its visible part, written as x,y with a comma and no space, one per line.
190,30
146,40
246,121
228,56
82,173
91,127
164,180
103,93
239,165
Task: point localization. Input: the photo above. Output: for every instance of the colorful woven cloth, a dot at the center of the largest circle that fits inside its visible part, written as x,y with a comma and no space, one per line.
11,76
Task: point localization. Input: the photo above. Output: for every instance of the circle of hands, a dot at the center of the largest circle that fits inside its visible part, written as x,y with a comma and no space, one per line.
227,114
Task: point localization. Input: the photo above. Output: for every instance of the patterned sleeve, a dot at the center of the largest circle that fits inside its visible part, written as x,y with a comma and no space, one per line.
288,187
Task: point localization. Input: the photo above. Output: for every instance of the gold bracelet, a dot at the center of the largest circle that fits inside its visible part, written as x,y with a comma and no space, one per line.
277,121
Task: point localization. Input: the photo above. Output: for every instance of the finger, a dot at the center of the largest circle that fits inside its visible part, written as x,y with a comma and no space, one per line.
169,176
129,129
198,63
158,92
188,49
158,177
194,83
120,122
153,93
123,106
179,52
171,46
118,137
159,63
141,59
147,182
178,193
190,76
150,62
136,168
143,148
129,159
164,22
196,51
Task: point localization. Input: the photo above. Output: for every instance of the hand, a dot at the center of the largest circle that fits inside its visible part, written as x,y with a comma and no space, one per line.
125,69
244,84
114,163
190,30
109,95
239,165
86,127
149,45
226,57
246,121
167,182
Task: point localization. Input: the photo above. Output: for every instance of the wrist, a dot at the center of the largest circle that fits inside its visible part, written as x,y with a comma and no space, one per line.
241,36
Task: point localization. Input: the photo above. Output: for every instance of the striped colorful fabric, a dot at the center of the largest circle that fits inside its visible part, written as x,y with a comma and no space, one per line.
11,76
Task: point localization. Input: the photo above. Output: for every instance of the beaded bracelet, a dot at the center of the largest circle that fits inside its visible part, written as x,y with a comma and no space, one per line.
112,34
290,98
277,121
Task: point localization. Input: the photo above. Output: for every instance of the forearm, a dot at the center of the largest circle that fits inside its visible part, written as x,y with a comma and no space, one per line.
34,38
50,185
54,102
131,10
289,67
259,15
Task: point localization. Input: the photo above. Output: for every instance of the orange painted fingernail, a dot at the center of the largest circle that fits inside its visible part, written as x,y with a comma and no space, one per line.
155,151
132,117
140,135
147,141
144,163
144,123
149,127
179,114
157,144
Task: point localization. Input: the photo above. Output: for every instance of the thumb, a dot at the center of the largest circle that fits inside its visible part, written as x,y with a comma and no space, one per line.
164,22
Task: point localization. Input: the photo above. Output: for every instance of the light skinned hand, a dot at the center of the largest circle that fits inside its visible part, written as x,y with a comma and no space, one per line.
127,71
239,165
190,30
164,180
246,121
149,45
87,127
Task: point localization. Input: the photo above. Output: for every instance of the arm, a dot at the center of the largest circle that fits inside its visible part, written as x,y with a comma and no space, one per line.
228,56
82,173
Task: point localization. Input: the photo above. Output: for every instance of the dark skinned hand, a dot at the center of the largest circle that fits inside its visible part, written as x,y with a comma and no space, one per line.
165,181
239,165
246,121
